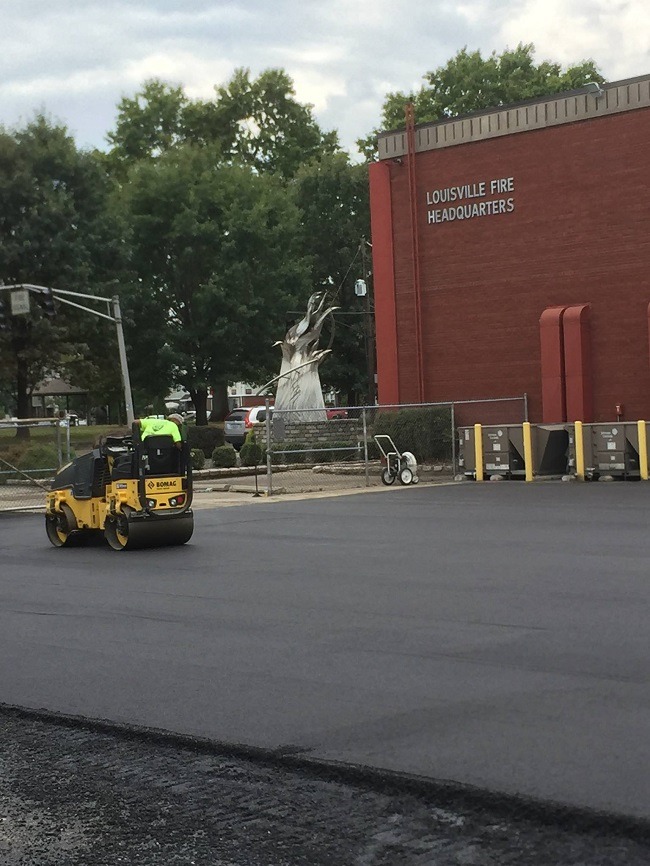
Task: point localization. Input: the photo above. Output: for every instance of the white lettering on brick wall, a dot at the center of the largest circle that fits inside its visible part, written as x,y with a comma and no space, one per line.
457,203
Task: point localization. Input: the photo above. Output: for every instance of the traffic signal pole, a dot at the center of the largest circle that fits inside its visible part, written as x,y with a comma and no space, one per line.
114,315
117,315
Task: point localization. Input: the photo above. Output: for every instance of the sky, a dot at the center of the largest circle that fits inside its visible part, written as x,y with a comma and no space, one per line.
75,59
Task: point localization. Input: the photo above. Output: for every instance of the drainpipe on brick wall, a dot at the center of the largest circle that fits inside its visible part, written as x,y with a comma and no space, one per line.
415,249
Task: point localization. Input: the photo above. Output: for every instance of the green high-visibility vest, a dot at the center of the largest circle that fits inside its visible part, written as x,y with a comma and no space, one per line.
159,427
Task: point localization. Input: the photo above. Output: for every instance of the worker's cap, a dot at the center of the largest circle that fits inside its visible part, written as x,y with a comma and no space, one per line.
175,417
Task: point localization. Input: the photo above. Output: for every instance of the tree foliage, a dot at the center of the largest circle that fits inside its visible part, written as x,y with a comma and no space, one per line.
148,123
216,249
267,128
333,194
254,122
216,240
469,82
57,231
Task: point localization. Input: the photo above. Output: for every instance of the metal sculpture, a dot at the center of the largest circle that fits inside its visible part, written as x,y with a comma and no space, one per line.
299,387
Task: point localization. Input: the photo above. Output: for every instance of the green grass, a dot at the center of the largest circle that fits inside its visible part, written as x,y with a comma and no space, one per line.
82,439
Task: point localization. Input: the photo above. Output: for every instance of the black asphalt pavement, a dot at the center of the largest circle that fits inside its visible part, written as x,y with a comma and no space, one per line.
495,634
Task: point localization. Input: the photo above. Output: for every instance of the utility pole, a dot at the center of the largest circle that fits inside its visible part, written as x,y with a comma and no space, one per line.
113,315
128,399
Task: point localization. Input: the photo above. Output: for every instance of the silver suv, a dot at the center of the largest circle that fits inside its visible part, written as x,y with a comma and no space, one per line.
240,421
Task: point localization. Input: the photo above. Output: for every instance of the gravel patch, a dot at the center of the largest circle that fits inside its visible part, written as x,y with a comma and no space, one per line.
72,795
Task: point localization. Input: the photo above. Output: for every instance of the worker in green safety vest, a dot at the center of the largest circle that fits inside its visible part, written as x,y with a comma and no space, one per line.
170,426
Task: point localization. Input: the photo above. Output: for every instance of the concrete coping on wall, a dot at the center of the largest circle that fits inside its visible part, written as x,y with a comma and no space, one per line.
586,103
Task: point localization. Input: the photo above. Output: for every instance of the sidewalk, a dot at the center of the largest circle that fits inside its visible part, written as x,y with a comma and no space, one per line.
213,495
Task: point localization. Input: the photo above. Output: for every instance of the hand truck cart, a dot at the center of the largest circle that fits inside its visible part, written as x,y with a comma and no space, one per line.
403,466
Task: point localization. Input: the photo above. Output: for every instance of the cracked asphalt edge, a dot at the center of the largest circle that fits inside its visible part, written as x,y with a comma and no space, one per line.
295,758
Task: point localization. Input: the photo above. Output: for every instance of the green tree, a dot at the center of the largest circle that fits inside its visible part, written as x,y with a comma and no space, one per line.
196,189
469,82
216,250
260,123
251,121
148,124
333,196
56,231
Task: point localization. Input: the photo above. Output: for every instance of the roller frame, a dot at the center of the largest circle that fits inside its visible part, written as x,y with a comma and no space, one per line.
125,498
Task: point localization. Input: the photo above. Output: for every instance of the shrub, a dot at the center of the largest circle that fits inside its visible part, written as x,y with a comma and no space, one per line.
251,451
337,455
12,452
206,438
5,468
279,457
40,458
373,450
302,453
198,458
224,457
425,432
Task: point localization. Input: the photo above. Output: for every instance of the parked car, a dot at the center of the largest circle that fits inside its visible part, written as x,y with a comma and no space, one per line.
337,412
239,422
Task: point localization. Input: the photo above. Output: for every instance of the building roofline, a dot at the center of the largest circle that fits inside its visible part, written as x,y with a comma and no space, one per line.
582,103
57,387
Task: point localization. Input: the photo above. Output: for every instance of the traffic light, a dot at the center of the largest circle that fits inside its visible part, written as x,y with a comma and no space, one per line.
4,324
47,303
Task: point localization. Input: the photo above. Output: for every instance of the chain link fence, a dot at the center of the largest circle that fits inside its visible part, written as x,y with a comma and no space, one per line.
334,449
304,451
31,452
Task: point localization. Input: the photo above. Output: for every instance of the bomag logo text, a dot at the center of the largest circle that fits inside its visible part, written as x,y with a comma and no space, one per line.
163,485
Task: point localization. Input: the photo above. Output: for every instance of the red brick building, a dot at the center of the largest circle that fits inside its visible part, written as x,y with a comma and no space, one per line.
511,255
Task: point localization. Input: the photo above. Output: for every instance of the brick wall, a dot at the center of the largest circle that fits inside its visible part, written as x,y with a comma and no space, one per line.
579,233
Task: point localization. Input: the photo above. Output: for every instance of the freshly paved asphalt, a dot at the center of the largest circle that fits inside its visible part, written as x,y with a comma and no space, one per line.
495,634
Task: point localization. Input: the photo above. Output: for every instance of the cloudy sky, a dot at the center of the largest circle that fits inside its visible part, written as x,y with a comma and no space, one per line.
75,59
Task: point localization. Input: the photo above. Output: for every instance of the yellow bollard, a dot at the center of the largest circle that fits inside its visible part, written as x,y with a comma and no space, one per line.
528,451
478,451
643,451
580,450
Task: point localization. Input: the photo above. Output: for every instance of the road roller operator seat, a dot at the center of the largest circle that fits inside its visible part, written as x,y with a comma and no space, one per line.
161,456
119,450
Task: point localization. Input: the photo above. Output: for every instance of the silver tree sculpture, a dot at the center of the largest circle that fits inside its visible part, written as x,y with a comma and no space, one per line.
299,385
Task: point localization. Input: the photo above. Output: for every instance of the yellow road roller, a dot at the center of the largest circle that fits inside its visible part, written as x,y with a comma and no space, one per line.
132,492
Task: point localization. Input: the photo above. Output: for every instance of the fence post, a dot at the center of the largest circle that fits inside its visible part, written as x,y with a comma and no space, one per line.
453,441
580,450
643,450
67,439
365,445
269,471
478,451
59,451
528,451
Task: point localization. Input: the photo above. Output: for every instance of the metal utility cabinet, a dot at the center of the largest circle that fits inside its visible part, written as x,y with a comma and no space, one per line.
515,451
502,449
611,449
